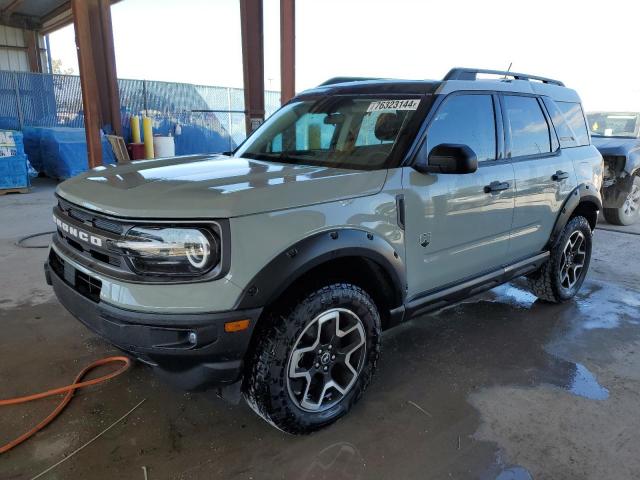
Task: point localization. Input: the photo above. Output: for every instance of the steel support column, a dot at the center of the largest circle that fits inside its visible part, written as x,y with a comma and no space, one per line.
252,62
33,51
98,78
287,50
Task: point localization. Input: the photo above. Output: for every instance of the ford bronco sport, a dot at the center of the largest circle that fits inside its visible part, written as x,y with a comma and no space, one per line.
359,204
617,136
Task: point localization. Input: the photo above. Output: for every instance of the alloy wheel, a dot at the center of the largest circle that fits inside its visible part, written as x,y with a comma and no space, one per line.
631,205
326,360
573,258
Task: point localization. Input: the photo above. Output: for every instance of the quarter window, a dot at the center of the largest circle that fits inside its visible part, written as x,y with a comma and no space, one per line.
574,116
568,138
530,133
466,120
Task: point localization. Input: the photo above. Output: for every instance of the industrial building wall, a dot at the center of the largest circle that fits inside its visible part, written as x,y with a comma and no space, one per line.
13,50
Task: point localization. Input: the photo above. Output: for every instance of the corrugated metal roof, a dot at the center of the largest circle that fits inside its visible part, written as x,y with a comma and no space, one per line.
31,14
42,15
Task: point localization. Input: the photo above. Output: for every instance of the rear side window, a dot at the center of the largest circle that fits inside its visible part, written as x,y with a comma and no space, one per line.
574,116
530,133
568,138
467,120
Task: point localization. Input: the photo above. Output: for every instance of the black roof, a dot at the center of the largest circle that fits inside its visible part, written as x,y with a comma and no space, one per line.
349,85
362,85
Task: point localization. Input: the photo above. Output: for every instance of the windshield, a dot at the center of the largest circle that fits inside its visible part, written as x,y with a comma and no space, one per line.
353,132
614,124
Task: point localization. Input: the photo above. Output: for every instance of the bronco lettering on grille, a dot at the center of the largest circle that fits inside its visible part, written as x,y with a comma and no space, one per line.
79,234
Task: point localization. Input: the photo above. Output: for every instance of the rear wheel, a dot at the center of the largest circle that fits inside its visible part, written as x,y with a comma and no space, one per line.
560,278
314,360
629,212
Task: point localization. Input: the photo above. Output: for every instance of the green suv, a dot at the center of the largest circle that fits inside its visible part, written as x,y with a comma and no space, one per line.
361,203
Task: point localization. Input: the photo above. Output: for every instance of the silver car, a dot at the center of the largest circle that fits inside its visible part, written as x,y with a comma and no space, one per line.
361,203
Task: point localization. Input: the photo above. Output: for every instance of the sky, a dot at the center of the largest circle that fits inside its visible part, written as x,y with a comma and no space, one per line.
592,46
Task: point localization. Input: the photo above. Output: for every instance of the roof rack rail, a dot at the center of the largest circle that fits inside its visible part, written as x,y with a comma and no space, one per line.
334,80
471,74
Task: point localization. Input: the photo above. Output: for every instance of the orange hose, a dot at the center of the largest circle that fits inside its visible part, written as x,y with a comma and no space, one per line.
69,389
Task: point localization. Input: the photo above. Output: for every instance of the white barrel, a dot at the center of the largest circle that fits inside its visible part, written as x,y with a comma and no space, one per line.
164,147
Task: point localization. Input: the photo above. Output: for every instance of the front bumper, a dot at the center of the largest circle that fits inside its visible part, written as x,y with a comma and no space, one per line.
192,351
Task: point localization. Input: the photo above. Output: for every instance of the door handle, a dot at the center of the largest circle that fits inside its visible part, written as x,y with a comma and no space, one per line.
560,175
496,186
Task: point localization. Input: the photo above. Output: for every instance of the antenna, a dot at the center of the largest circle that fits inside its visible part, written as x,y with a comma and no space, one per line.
508,70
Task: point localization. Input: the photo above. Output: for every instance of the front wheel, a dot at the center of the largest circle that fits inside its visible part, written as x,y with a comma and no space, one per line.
629,212
313,361
560,278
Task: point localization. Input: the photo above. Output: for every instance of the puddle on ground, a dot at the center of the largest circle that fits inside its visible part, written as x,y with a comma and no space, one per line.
514,473
512,295
599,307
584,384
340,460
606,306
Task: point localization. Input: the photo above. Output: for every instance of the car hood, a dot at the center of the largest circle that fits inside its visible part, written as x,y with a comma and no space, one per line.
212,186
615,146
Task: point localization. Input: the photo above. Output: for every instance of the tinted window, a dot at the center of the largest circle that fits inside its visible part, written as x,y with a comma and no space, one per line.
574,116
529,129
466,120
566,135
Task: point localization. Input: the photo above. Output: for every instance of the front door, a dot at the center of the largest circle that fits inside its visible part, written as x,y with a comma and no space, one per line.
458,226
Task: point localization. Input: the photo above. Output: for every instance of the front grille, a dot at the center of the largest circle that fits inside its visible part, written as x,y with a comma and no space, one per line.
88,286
96,220
95,224
78,214
56,263
84,284
108,225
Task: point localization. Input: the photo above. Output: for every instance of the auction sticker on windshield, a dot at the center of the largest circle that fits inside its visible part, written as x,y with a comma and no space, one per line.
405,104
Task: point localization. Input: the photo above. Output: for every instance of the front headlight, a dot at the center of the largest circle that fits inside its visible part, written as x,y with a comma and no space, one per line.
171,251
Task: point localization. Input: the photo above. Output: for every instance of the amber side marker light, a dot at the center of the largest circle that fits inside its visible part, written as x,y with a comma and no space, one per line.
236,326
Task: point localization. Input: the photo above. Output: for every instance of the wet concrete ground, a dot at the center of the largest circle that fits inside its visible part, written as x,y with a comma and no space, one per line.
500,386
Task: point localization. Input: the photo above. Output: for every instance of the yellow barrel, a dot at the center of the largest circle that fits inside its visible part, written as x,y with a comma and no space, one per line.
314,137
147,131
135,129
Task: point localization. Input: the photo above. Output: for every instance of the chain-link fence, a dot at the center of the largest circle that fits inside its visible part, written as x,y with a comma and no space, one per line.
210,118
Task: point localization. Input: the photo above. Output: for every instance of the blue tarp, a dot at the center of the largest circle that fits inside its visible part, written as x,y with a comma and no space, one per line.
14,165
32,136
63,152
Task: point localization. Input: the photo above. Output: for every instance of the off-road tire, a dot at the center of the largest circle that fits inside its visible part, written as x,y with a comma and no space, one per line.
619,216
265,387
545,283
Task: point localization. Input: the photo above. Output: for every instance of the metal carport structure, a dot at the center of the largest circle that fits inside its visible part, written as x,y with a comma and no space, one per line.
97,63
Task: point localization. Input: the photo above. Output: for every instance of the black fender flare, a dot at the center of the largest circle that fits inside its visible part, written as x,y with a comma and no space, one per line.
585,192
288,266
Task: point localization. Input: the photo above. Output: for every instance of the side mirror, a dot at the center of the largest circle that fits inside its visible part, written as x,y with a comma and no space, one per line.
450,158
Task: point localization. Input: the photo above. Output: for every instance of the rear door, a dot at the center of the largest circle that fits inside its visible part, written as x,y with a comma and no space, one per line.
544,173
457,226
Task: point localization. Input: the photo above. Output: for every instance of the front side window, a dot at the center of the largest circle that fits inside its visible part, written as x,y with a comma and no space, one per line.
355,132
466,120
530,133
